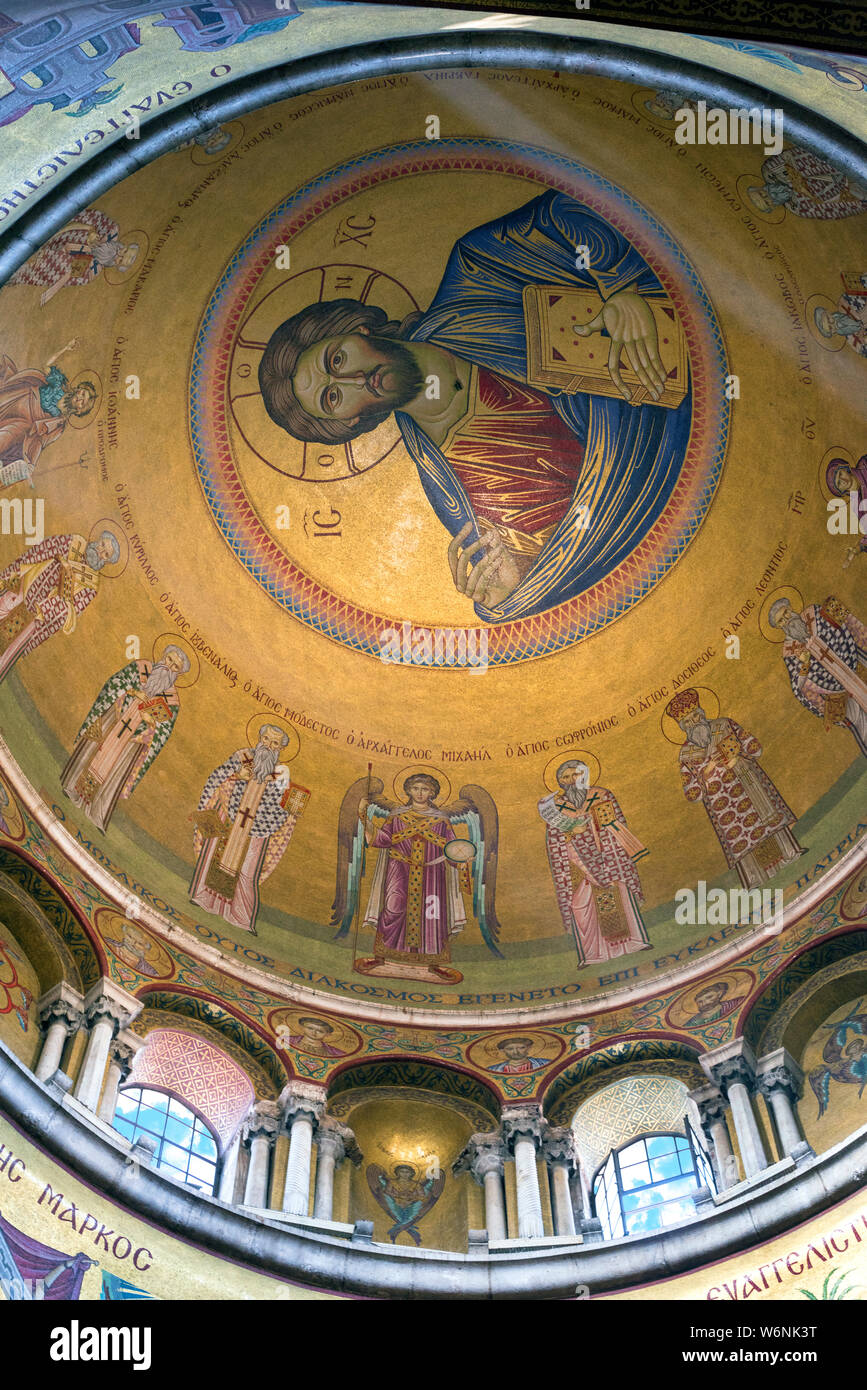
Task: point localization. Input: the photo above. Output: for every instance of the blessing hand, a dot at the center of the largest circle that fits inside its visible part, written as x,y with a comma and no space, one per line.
628,320
486,571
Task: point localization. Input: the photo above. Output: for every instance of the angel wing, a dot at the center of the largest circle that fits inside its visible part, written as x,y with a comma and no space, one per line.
377,1177
351,847
820,1080
432,1195
477,811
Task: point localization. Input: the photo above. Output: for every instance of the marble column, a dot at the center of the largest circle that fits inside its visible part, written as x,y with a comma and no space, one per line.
781,1082
732,1068
107,1009
523,1129
558,1146
121,1056
229,1170
484,1157
712,1110
261,1130
60,1013
303,1107
334,1142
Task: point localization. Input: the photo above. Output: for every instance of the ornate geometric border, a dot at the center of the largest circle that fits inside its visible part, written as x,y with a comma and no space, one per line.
527,638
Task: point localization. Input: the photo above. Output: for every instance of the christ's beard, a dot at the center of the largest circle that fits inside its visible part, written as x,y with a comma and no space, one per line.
159,681
407,381
576,796
700,734
797,629
264,762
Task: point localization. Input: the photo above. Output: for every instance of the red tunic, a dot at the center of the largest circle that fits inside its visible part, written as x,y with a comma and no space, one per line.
517,460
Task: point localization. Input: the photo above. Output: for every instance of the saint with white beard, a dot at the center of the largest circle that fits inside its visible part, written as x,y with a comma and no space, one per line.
247,813
825,654
719,766
592,856
126,728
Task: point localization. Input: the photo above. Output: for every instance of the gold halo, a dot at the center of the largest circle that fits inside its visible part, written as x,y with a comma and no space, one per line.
254,724
342,1035
638,100
82,422
773,634
198,155
594,768
111,274
173,639
400,777
817,301
747,181
834,453
710,707
105,523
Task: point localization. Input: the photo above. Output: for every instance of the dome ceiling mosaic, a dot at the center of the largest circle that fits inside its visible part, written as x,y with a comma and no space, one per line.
437,599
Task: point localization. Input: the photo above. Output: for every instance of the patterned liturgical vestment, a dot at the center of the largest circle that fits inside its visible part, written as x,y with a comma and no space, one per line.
592,856
828,672
751,819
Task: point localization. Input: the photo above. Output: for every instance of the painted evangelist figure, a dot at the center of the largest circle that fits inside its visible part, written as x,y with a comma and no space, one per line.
247,813
430,859
592,856
126,728
719,766
547,454
844,1058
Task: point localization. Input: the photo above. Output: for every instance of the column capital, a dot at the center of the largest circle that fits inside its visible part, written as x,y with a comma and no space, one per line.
711,1106
61,1004
778,1071
124,1050
106,1000
482,1153
731,1065
523,1122
263,1122
558,1146
337,1139
302,1098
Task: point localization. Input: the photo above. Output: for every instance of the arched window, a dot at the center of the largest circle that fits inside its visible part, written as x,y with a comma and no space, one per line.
650,1183
186,1146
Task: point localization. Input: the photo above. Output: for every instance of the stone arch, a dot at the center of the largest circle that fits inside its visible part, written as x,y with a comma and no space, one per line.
781,1012
65,946
204,1018
580,1079
439,1084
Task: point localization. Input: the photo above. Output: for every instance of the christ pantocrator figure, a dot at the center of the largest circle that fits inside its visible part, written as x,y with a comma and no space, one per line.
512,463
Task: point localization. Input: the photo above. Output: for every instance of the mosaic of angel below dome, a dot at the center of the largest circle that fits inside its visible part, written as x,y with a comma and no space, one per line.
545,454
435,866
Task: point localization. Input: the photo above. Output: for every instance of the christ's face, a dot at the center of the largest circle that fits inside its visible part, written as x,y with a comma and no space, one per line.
349,377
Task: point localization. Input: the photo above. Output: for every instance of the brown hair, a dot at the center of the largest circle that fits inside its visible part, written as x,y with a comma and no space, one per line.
332,318
423,777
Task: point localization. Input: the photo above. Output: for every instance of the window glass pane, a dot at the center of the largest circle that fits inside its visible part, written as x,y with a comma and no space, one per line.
175,1155
178,1132
665,1167
124,1127
127,1102
660,1144
183,1112
151,1120
203,1143
633,1153
203,1171
636,1175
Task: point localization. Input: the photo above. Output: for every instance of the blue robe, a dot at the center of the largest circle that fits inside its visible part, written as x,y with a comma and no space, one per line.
633,454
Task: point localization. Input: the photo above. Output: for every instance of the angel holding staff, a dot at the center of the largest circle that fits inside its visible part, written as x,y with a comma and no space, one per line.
430,858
